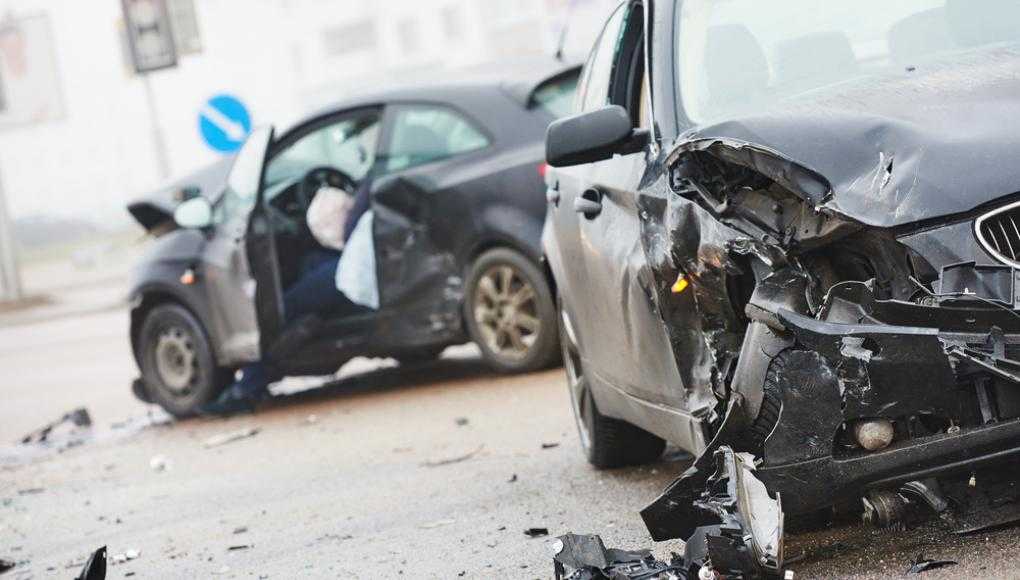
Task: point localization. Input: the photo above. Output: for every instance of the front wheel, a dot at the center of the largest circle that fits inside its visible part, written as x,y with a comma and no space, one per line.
606,442
510,312
177,362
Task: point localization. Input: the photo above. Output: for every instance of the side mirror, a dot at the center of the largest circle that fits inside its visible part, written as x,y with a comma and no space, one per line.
593,136
196,213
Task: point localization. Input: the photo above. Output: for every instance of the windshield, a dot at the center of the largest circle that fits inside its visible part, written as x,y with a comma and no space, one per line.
738,57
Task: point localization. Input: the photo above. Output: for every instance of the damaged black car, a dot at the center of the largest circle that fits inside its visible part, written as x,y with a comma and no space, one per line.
794,233
451,174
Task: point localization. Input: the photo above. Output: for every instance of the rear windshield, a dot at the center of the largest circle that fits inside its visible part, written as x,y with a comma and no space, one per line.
738,57
556,95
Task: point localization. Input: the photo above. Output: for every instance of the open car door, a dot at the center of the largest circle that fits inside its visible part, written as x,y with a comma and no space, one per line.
260,240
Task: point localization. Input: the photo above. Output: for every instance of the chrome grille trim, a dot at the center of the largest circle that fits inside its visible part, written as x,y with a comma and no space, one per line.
998,233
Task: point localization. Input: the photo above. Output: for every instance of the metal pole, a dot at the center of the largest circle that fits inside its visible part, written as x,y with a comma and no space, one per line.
158,142
10,274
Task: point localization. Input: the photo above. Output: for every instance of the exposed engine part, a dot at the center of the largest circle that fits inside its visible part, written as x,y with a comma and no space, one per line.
874,434
884,509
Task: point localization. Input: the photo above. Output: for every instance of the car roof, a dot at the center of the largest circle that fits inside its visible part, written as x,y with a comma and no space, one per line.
517,79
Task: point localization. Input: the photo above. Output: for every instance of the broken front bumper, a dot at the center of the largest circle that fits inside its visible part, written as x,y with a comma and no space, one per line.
946,375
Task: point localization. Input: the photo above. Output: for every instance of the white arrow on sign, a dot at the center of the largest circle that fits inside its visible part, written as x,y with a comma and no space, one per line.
232,129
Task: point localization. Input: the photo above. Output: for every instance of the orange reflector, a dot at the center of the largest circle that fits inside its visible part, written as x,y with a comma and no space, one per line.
188,277
681,284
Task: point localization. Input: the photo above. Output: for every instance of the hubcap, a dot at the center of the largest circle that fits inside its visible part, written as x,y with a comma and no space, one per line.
506,311
176,362
575,379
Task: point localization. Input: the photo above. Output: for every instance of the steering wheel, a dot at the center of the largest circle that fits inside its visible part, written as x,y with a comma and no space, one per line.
319,177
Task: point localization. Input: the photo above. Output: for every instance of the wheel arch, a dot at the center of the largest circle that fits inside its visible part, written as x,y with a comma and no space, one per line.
145,299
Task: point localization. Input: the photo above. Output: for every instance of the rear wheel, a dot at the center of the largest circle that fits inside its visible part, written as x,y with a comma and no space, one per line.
510,312
606,442
178,366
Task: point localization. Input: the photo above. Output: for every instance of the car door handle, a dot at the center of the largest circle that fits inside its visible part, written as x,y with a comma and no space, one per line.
589,204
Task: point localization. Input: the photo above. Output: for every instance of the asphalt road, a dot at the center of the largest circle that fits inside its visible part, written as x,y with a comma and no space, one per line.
387,472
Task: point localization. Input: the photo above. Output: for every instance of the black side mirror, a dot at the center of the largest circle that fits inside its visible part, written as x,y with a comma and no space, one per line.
593,136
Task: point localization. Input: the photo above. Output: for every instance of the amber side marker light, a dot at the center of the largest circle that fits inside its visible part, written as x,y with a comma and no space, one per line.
680,285
188,277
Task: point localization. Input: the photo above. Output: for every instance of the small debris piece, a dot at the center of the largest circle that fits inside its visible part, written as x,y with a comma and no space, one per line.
78,418
920,565
456,459
240,529
6,565
550,445
536,532
230,437
95,566
239,547
461,421
159,463
436,524
127,556
31,491
513,479
587,558
312,419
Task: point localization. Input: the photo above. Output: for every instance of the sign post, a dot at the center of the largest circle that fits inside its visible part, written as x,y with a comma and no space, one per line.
151,40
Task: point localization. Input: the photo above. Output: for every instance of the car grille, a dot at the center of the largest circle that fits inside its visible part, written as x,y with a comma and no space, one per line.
999,233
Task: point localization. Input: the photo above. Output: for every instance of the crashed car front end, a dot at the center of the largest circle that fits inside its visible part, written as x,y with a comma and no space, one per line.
848,357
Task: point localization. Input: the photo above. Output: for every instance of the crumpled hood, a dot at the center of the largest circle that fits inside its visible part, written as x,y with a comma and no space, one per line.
940,140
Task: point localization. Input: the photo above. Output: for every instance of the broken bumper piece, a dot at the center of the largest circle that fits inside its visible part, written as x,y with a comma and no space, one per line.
730,522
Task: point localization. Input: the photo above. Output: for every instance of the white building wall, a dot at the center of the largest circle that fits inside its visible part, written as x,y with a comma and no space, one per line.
276,55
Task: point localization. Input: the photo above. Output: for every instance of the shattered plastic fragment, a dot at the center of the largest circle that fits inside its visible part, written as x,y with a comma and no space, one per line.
224,438
920,565
536,532
95,566
585,557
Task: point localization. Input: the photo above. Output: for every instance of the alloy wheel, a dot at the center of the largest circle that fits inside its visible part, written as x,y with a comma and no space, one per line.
176,360
506,311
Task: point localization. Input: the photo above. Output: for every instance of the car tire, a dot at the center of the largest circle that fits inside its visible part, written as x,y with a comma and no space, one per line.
177,361
510,312
606,442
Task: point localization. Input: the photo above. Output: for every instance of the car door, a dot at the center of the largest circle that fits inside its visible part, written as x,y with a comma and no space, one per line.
228,276
614,305
425,145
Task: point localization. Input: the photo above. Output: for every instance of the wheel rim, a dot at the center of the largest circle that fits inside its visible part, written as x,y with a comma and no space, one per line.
506,312
576,382
176,360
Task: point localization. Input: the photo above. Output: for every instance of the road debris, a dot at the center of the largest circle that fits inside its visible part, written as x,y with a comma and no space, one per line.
238,547
31,491
6,565
455,459
127,556
550,445
585,557
160,463
230,437
513,478
536,532
921,565
461,421
70,430
95,566
240,530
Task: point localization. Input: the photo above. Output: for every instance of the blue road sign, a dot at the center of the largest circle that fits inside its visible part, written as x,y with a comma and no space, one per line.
224,123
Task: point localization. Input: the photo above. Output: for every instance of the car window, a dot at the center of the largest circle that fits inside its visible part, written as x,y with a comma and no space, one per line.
740,57
349,145
426,133
599,67
628,85
556,96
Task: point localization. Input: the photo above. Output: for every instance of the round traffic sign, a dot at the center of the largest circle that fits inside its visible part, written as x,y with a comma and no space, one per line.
224,123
